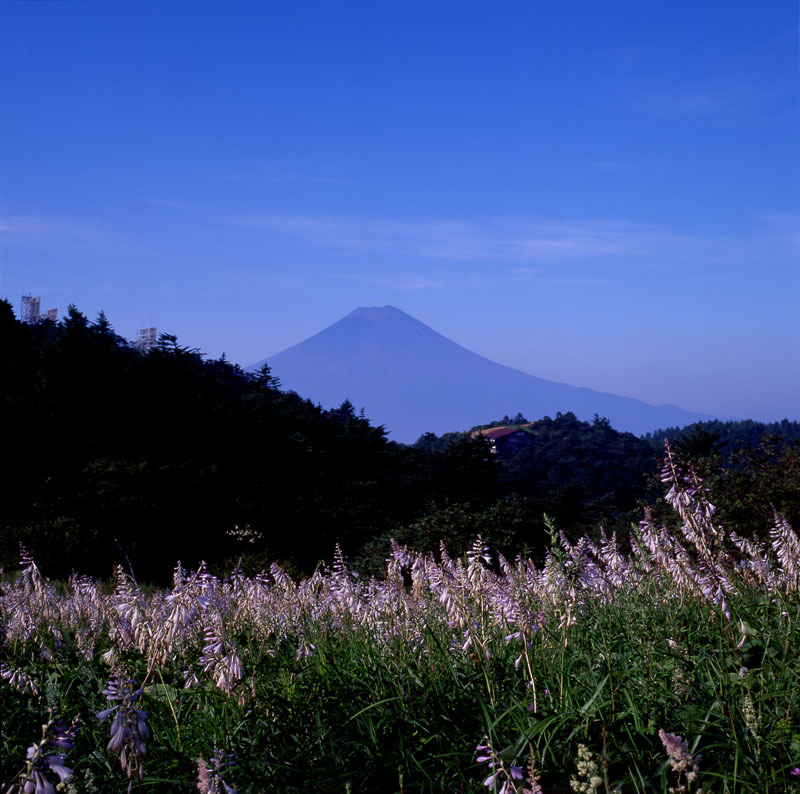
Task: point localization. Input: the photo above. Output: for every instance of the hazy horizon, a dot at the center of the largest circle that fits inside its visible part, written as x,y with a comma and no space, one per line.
605,196
411,380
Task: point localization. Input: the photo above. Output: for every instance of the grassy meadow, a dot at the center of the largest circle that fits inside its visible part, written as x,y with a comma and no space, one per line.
663,662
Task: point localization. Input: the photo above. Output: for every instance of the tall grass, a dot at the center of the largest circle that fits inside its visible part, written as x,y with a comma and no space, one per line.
672,666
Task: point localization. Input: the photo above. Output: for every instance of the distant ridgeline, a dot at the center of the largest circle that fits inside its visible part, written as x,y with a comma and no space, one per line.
586,473
411,379
724,438
112,456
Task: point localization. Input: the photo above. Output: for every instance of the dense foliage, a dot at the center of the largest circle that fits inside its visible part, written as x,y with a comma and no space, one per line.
586,474
749,465
112,457
672,667
723,438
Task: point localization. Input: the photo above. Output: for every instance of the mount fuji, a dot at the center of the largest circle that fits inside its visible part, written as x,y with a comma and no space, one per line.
412,379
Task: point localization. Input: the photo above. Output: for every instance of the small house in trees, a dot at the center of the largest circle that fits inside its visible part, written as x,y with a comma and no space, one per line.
507,440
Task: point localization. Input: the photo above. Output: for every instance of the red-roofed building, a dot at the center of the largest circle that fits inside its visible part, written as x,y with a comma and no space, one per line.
507,439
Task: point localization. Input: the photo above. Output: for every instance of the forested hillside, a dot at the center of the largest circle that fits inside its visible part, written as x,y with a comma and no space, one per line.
112,457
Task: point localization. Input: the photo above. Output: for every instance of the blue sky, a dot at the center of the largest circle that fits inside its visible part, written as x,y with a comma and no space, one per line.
604,194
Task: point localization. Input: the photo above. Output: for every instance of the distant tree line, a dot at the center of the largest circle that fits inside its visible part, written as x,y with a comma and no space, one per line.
751,468
111,456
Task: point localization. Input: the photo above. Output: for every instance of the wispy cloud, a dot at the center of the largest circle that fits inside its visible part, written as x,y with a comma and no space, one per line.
630,55
33,229
498,276
545,276
528,273
631,166
172,204
715,99
783,227
257,273
694,101
506,240
281,179
517,242
415,281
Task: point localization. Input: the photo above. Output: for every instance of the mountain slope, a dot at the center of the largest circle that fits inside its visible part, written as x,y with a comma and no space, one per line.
412,379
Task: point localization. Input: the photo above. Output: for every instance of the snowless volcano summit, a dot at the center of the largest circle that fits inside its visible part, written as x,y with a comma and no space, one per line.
412,380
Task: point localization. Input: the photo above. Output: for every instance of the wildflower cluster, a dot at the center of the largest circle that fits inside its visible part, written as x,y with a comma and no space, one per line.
18,679
588,780
209,778
209,640
47,756
681,760
203,614
129,728
502,774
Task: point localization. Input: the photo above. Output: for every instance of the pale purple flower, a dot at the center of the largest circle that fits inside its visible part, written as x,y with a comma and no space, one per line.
225,668
18,679
129,727
209,778
40,761
680,759
501,773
